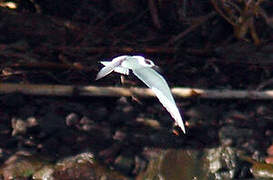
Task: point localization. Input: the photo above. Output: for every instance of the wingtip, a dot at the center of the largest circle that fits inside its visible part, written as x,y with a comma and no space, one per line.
183,129
104,62
98,77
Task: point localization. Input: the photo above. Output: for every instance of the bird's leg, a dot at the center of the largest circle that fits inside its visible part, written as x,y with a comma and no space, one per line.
122,79
125,82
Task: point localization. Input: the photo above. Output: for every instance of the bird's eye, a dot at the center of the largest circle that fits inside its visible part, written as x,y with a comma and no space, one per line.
149,62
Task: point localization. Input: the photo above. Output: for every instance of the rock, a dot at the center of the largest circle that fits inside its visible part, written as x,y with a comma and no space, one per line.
230,135
19,126
222,162
119,135
174,164
22,165
83,167
72,119
124,163
262,170
45,173
269,160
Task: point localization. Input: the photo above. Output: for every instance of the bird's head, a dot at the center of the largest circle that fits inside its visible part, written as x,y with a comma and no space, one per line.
144,62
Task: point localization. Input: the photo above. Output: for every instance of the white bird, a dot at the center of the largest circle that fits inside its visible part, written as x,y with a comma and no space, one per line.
142,68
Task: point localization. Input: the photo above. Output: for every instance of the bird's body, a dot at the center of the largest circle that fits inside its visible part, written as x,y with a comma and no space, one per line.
142,68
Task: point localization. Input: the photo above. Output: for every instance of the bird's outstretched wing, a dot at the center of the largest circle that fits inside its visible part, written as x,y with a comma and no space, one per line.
111,66
119,69
160,87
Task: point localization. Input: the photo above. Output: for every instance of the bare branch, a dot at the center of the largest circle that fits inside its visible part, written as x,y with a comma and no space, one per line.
67,90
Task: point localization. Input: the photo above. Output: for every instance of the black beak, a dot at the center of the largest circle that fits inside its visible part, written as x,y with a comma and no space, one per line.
157,68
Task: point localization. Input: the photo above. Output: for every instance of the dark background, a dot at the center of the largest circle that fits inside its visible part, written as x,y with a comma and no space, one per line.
199,44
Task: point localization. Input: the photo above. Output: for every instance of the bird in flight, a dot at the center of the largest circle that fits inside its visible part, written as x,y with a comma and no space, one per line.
142,68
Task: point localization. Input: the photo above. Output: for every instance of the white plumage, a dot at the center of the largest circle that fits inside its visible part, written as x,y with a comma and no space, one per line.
142,68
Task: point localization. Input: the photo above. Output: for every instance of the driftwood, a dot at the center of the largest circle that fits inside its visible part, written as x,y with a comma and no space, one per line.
67,90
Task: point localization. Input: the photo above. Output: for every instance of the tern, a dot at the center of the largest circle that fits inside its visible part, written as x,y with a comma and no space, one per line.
142,68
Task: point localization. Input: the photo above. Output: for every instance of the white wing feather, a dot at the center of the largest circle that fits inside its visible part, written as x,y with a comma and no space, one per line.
110,66
118,69
150,77
172,108
160,87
